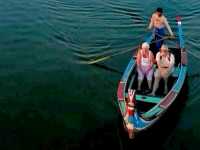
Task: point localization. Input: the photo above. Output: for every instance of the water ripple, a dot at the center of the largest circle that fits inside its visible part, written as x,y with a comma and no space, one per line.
45,34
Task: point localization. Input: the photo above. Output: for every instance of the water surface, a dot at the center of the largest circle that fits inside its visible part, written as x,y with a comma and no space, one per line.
48,101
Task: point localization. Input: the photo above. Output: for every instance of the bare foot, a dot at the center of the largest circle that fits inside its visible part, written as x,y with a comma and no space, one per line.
165,91
152,94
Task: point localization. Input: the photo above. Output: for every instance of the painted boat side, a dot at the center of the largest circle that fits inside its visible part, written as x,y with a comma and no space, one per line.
162,106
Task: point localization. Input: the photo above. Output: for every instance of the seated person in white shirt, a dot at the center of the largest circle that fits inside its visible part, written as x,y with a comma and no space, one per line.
165,61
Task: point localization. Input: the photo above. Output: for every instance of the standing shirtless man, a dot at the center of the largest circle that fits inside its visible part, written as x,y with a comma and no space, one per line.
158,23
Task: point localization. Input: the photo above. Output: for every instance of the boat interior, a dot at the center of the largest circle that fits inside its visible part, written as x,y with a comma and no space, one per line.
145,101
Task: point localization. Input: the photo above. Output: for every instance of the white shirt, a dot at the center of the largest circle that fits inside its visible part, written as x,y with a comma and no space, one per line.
165,61
145,61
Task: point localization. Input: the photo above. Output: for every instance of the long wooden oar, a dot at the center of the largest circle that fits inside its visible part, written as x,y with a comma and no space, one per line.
189,52
97,54
103,58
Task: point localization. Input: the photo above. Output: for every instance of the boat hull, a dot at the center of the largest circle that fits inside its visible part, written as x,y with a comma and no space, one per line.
143,120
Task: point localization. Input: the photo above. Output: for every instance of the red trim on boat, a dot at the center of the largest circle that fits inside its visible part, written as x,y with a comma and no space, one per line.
184,58
178,18
120,91
168,99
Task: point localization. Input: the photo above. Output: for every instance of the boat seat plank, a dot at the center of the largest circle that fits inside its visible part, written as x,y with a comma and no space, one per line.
152,112
149,99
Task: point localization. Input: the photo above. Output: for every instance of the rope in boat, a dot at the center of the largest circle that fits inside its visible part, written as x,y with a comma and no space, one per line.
92,61
96,54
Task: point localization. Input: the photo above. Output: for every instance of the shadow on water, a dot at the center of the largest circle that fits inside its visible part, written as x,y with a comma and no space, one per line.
113,135
31,130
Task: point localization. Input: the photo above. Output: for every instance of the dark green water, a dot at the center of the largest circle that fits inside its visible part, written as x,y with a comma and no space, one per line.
49,102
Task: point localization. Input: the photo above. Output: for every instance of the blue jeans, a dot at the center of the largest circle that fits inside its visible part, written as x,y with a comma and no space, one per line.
159,34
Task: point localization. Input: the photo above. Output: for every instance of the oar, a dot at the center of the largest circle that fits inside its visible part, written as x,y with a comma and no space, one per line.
170,36
96,54
103,58
190,52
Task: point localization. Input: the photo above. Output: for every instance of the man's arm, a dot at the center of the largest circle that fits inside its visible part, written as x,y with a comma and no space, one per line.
138,58
152,58
151,23
158,59
138,61
168,27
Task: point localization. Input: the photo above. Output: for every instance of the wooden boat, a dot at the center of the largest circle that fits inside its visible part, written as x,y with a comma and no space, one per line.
148,109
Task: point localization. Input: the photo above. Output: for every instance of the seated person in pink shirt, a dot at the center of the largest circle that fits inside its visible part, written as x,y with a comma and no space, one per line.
145,61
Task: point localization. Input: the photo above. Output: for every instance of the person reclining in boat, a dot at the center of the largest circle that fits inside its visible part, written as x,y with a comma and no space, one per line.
158,23
145,61
165,62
